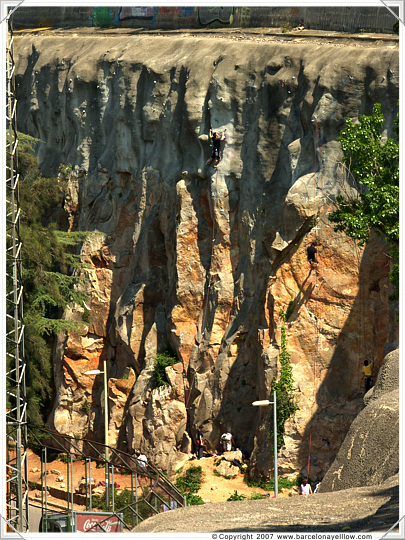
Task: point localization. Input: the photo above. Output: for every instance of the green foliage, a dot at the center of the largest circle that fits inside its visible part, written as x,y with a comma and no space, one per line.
268,485
85,407
290,309
236,497
190,481
373,165
50,275
286,27
193,500
284,386
162,361
255,497
122,499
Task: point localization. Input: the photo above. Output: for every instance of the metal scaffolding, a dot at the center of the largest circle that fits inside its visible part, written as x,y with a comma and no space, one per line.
16,412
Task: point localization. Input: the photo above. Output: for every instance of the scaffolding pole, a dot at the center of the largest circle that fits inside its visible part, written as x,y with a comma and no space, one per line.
16,411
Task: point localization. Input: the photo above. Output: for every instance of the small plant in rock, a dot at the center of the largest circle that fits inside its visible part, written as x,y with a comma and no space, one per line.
284,386
286,27
162,361
85,407
236,497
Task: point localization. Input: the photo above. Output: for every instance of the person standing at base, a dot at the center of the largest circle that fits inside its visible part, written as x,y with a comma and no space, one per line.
306,488
226,439
200,443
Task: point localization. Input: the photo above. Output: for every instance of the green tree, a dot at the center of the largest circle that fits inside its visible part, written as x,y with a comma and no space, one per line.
50,275
373,166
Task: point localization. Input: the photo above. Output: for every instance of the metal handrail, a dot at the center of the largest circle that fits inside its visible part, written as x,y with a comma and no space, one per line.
126,462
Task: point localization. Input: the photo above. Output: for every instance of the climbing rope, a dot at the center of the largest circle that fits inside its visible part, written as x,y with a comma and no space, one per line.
317,285
205,308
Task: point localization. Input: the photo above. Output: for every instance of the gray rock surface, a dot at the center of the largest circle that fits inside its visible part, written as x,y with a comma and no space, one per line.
367,509
370,452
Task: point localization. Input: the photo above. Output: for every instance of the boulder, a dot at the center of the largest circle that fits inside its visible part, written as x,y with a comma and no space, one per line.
230,456
225,468
370,452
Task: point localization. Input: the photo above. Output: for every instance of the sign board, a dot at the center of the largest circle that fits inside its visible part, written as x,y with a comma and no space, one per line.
108,520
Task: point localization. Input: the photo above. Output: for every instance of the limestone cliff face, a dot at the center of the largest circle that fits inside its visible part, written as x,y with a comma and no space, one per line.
204,258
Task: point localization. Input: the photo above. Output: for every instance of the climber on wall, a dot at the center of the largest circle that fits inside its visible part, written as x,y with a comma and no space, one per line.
216,151
312,259
367,370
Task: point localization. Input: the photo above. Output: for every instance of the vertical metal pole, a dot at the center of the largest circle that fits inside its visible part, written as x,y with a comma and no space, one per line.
275,444
91,490
136,497
68,490
71,485
112,488
107,483
42,491
132,497
86,475
46,489
16,411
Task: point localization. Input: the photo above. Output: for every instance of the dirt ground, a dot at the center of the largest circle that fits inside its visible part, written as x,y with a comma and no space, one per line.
295,36
214,488
218,489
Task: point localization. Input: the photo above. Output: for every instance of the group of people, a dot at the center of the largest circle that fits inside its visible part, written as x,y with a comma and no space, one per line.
226,440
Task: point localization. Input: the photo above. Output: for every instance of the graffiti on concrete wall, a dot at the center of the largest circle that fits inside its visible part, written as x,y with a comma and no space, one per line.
207,15
102,16
245,16
179,12
107,16
147,13
176,14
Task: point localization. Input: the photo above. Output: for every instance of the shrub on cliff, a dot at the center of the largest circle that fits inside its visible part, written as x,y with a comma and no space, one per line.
372,164
162,361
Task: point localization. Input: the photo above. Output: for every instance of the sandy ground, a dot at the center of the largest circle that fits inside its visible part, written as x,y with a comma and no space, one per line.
218,489
214,488
295,36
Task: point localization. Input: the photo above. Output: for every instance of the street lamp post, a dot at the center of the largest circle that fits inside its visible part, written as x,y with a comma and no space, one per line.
107,455
262,404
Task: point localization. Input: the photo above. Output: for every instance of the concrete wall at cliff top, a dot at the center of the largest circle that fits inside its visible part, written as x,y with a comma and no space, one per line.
336,18
205,259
